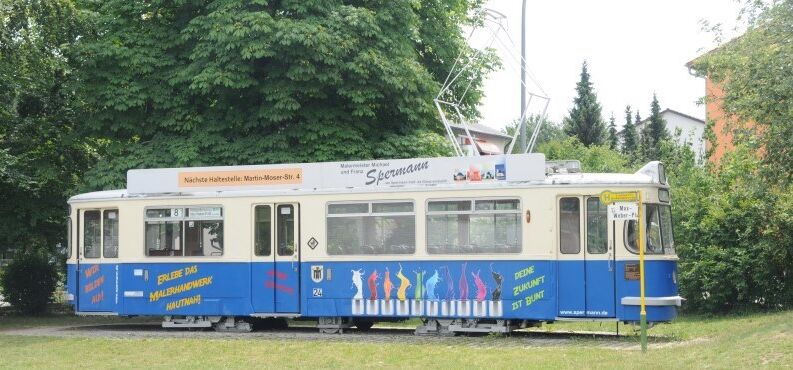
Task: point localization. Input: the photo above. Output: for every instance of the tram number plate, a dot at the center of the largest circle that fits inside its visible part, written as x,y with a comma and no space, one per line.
316,292
631,271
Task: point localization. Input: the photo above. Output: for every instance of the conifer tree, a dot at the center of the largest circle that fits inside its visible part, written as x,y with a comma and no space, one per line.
629,136
584,120
655,130
613,139
641,133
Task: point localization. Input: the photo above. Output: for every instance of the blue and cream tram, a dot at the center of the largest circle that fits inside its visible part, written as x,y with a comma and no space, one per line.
468,244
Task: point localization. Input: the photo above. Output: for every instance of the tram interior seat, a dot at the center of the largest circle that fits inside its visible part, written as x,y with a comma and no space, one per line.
162,252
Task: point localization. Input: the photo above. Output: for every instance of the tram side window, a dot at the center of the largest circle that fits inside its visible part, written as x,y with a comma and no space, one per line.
110,233
569,225
286,230
659,231
163,238
473,226
262,230
596,226
371,228
92,234
192,231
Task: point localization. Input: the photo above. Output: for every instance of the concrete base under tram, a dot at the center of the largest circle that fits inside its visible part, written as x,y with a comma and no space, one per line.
450,327
219,323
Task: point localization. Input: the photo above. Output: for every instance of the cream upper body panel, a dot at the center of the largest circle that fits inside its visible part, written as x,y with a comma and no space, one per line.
539,236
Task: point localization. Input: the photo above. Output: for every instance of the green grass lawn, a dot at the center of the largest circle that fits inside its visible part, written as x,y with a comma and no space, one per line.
738,341
22,322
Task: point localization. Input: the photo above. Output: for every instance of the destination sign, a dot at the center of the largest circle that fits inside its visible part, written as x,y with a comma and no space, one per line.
623,211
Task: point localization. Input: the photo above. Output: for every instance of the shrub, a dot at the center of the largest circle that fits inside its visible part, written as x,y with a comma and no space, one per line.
29,281
732,230
594,158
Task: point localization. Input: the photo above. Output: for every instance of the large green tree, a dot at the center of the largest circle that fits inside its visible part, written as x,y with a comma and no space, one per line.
628,134
244,82
737,248
41,156
584,120
756,76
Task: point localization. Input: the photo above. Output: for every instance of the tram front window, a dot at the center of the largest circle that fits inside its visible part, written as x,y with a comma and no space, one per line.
666,229
660,238
654,243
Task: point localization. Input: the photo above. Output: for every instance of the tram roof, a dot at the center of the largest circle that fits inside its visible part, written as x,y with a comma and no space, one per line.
432,174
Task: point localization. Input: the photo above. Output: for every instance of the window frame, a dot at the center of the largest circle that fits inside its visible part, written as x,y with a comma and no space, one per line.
627,242
182,232
276,248
586,224
82,234
118,231
370,207
671,228
271,223
472,211
578,198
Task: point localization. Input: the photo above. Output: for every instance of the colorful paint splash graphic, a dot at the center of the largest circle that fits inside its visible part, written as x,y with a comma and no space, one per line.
449,283
430,286
425,287
419,294
481,288
499,279
372,281
463,284
404,284
357,283
387,285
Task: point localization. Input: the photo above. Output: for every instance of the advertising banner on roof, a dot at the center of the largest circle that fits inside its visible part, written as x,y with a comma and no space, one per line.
340,175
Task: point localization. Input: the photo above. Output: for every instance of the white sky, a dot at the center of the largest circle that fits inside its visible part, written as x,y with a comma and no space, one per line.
633,48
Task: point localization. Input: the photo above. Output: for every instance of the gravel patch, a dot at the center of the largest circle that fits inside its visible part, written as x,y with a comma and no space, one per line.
517,339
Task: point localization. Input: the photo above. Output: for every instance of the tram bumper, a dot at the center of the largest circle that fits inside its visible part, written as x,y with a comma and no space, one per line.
659,309
653,301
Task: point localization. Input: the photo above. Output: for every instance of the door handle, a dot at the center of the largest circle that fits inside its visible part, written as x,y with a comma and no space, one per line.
611,263
611,256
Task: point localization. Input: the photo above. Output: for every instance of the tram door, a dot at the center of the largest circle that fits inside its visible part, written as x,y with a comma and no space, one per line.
97,253
586,259
599,257
275,271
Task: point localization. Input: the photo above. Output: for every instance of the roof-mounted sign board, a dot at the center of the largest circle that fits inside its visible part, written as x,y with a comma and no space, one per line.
339,175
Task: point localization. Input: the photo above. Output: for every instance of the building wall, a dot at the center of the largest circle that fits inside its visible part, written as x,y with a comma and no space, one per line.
692,132
714,113
721,122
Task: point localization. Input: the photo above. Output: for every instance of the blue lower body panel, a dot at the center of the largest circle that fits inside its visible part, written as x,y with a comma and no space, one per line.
527,290
660,281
